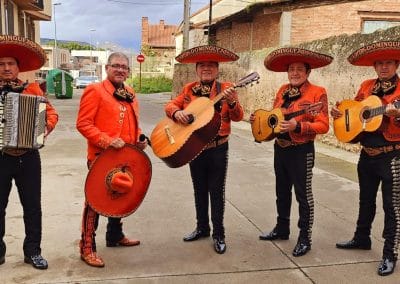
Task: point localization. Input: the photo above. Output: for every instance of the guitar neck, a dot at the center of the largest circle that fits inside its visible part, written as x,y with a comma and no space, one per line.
220,96
289,116
381,109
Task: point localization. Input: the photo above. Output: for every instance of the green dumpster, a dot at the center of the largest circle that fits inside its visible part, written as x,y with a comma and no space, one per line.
63,85
50,80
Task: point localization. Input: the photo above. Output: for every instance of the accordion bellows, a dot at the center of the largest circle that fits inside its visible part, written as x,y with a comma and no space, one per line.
22,121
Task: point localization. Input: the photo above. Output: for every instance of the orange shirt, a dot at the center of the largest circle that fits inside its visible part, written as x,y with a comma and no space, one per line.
391,125
310,125
227,114
102,118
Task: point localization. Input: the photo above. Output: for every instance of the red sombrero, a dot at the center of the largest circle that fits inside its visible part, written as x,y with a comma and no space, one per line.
383,50
206,53
118,181
280,59
29,54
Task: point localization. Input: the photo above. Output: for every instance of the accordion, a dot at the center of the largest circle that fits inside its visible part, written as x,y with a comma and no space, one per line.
22,121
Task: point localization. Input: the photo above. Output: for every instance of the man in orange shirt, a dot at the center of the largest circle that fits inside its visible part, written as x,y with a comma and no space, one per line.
380,154
209,168
108,117
294,151
18,54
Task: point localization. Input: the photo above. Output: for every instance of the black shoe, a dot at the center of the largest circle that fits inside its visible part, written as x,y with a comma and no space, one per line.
219,245
386,267
2,259
301,248
195,235
37,261
354,244
273,235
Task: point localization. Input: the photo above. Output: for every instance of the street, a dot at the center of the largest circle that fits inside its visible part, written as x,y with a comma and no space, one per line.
167,214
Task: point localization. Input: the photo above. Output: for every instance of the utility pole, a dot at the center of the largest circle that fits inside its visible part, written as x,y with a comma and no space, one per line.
186,12
209,24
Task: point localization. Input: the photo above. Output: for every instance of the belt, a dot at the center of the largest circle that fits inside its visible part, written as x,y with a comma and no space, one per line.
217,142
15,152
283,143
374,151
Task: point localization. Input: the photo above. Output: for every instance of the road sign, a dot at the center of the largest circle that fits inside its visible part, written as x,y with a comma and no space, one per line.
140,58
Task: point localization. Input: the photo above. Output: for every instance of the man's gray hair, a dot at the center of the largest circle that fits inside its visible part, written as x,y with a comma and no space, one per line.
117,55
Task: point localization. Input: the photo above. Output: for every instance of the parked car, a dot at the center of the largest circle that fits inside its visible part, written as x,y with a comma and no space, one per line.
83,81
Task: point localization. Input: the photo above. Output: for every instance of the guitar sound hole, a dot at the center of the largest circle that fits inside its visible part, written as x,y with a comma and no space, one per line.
272,121
191,118
366,114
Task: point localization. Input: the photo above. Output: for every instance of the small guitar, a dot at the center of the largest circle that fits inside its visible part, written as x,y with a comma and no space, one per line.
366,115
266,123
177,144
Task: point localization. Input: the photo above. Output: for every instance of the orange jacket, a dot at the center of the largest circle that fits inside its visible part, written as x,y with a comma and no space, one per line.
227,114
102,118
310,125
391,125
51,114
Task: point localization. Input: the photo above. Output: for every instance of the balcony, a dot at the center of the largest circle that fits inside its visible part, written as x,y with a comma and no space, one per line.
32,5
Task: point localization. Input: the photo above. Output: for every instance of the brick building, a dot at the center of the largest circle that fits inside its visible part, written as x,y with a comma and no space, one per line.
276,23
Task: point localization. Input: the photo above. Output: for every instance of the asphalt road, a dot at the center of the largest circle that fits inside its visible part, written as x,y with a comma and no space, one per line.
167,214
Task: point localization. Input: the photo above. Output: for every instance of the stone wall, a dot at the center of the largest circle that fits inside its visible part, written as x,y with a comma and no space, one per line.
340,78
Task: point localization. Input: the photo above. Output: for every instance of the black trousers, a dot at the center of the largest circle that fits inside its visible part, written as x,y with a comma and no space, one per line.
208,173
372,171
293,168
26,172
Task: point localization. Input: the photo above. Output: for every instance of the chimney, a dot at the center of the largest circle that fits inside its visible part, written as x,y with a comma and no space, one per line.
161,24
145,30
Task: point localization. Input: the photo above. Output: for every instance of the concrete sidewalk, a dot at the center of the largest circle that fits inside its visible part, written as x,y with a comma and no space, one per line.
167,214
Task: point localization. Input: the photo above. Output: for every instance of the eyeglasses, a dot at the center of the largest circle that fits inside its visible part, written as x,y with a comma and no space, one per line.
122,67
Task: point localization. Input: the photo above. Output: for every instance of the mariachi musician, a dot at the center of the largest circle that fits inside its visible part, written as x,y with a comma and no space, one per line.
108,117
294,151
18,54
209,168
379,161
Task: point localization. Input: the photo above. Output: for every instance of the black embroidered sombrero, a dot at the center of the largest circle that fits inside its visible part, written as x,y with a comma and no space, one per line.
29,54
280,59
206,53
383,50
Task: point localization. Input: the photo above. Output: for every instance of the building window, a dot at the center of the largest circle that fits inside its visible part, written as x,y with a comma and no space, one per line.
369,26
9,18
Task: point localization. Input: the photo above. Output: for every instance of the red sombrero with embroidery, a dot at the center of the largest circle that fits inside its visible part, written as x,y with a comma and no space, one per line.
383,50
29,54
118,181
280,59
206,53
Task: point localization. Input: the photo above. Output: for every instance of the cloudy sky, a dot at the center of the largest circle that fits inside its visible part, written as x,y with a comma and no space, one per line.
116,21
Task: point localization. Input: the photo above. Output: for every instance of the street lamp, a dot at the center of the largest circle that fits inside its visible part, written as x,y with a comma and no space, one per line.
91,58
55,57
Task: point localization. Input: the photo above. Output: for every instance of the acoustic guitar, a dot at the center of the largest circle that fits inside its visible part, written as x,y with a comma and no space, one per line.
266,123
177,144
359,116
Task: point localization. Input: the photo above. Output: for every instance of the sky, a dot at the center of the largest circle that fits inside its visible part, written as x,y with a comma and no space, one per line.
112,21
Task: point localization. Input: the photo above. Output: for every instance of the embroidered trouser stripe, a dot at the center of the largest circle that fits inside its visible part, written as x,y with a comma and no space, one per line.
90,220
395,167
293,168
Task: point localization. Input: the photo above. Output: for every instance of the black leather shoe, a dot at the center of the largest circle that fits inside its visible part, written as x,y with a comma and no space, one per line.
219,245
301,248
2,259
354,244
386,267
37,261
273,235
195,235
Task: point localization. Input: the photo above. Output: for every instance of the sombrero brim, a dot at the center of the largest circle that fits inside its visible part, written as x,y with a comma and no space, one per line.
30,55
280,59
369,54
206,53
96,191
